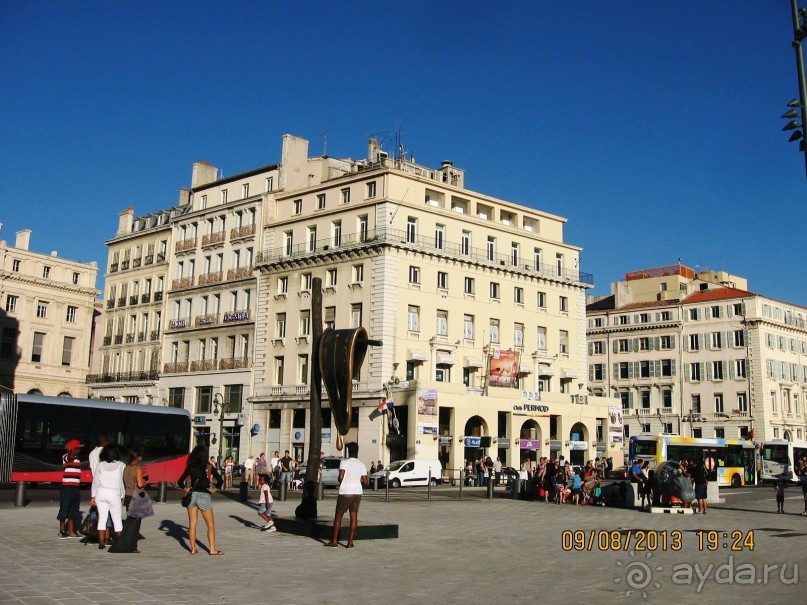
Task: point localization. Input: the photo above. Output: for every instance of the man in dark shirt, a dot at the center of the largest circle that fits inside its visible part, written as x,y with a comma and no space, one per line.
698,471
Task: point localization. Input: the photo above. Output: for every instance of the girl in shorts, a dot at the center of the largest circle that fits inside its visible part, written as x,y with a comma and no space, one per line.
265,502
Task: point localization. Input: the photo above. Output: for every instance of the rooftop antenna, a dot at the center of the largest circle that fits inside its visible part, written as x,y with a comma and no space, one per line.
324,136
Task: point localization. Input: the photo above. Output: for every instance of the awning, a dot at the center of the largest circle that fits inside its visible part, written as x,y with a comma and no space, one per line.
416,355
525,368
445,359
473,362
545,371
568,374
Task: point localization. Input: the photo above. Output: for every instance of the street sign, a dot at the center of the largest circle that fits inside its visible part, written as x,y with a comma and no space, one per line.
200,419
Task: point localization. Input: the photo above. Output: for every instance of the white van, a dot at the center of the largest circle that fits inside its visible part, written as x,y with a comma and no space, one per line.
410,472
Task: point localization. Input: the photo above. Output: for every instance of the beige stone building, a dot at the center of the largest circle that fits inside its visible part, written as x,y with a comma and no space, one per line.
47,320
466,291
697,354
128,360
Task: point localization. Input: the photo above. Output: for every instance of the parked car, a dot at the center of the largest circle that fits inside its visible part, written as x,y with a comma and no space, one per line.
411,472
330,471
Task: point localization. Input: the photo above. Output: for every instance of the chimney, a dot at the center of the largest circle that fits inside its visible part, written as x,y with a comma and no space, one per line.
184,197
126,220
203,173
23,239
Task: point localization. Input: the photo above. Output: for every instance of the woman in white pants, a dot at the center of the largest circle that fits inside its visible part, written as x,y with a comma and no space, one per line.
108,492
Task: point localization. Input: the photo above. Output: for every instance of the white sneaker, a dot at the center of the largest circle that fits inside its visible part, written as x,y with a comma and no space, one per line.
271,528
268,526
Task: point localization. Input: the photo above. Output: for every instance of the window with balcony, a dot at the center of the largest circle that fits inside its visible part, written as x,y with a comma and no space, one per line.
411,230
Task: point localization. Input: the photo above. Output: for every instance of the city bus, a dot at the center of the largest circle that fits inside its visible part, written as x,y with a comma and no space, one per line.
35,428
730,462
779,457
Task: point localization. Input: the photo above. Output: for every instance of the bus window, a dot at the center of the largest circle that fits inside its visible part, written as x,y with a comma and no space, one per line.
644,448
732,456
775,453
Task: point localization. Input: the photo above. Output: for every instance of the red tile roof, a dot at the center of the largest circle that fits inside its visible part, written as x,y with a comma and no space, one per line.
717,294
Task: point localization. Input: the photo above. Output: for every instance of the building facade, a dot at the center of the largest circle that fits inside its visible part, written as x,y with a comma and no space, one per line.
699,355
47,320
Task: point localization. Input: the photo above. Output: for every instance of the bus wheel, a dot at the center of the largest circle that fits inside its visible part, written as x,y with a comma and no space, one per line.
735,481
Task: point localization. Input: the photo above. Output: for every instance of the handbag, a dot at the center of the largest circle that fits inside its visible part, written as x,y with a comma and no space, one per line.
140,507
186,499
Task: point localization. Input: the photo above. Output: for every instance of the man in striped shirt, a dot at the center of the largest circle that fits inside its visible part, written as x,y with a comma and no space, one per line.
70,498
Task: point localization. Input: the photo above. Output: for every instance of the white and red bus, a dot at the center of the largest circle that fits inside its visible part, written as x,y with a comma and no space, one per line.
35,428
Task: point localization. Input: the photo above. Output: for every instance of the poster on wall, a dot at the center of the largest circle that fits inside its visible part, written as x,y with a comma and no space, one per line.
427,412
615,423
503,370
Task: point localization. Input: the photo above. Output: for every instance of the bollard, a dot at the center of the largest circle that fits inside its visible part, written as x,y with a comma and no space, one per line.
515,488
20,493
386,485
429,492
320,491
162,491
281,491
243,491
375,484
490,489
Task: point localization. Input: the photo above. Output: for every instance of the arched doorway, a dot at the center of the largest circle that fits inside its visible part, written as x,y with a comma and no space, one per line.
476,427
64,394
788,435
578,448
530,437
34,392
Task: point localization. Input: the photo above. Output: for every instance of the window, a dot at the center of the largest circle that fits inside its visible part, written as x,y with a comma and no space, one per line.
67,350
666,399
363,228
598,372
518,335
75,277
414,275
302,366
536,258
321,201
716,340
644,318
695,372
694,314
345,196
269,183
720,433
541,338
279,370
330,277
288,243
298,206
223,196
518,295
740,368
42,309
644,369
666,342
468,327
718,403
371,189
667,366
36,349
306,282
358,273
203,202
623,344
355,315
465,243
330,317
305,323
280,325
494,290
337,233
494,330
469,285
411,230
542,300
176,397
624,320
11,303
667,427
717,370
739,338
715,311
666,316
45,271
773,401
442,280
245,190
695,403
439,237
598,347
694,342
491,249
564,342
742,402
15,265
312,239
644,344
515,254
413,318
645,400
283,285
442,323
72,312
624,370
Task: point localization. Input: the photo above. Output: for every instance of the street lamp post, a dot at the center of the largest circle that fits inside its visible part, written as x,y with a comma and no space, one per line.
799,34
221,408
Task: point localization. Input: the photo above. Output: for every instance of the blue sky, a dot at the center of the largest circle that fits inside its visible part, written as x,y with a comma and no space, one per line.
652,126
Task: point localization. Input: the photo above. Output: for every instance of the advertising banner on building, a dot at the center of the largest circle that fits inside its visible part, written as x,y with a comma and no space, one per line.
503,370
427,412
615,423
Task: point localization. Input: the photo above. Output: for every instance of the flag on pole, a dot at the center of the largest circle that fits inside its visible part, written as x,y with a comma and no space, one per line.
383,408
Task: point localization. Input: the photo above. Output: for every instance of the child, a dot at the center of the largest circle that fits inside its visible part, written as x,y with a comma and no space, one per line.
265,511
780,495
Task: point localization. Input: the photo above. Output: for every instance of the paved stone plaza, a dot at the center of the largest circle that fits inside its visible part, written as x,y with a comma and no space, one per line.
449,551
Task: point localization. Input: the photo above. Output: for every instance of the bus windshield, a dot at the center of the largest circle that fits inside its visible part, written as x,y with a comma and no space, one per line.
644,448
775,453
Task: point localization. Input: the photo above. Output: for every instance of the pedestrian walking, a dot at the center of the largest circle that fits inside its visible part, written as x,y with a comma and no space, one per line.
779,490
202,476
265,503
